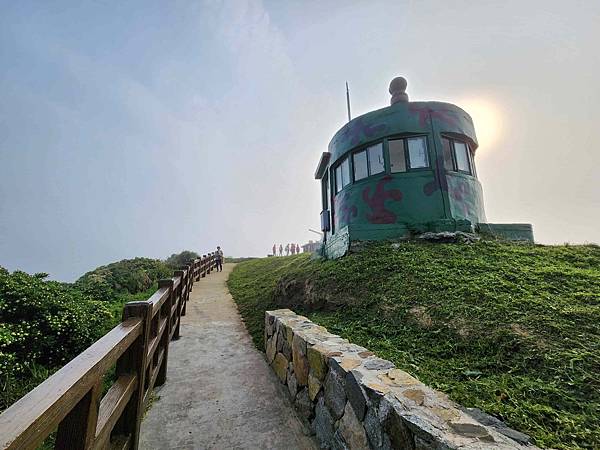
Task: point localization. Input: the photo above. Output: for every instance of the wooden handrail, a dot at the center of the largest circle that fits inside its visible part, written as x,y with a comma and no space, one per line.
70,400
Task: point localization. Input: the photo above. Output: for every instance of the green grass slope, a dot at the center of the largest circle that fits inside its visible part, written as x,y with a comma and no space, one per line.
511,329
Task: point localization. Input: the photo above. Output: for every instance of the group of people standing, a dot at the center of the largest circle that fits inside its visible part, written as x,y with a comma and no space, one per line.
289,248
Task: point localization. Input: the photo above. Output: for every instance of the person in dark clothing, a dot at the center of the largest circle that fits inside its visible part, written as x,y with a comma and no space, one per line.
219,259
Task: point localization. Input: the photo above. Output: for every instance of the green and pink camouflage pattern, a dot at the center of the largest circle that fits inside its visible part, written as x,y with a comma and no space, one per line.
393,205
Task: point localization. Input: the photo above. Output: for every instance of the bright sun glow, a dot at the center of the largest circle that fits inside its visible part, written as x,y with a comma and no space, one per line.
487,119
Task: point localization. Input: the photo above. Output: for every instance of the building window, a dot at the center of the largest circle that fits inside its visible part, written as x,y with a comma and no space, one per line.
338,179
361,168
342,175
410,153
345,172
376,162
368,162
397,155
457,156
462,157
447,153
472,162
417,153
325,191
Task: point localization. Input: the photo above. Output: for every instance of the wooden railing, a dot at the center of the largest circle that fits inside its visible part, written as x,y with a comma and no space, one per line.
71,400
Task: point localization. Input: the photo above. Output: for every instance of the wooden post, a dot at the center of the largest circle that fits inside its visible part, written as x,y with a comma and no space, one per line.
181,304
78,429
134,361
166,337
203,266
191,276
189,284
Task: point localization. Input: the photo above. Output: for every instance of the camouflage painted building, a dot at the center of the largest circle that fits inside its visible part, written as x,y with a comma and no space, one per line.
403,170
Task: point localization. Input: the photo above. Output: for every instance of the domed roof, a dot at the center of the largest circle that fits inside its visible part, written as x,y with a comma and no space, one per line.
402,117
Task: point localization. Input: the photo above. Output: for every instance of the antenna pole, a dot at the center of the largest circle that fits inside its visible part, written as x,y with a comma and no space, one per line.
348,101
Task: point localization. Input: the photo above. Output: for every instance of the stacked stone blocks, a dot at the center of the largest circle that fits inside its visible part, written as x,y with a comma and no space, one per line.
352,399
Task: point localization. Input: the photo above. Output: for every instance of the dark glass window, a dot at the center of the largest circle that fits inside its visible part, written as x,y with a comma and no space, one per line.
462,157
447,153
376,162
397,156
417,153
342,175
472,162
338,179
361,168
325,191
458,156
345,172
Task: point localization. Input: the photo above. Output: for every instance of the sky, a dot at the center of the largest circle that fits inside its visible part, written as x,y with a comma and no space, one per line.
142,128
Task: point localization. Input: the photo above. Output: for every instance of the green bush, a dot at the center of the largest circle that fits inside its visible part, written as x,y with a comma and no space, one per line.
43,325
176,260
129,276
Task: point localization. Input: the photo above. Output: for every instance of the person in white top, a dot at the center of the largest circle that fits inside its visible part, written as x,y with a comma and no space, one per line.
219,259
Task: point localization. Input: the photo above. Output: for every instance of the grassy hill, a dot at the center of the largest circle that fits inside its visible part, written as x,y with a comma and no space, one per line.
511,329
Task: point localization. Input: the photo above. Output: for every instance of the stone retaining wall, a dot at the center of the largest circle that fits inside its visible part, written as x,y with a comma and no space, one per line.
354,400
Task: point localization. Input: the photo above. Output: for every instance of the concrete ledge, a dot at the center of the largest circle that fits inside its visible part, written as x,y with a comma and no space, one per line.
355,400
508,231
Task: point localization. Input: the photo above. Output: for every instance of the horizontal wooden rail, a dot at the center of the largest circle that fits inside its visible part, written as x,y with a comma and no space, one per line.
70,400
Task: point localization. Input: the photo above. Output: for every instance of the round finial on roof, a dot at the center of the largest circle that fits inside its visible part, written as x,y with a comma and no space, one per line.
398,90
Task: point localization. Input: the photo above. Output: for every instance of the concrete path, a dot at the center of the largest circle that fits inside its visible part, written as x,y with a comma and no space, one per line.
220,393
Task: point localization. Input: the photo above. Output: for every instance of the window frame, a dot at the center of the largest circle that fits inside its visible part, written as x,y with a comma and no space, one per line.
406,166
467,156
337,181
325,191
347,159
353,155
407,154
350,157
387,167
366,149
404,138
470,157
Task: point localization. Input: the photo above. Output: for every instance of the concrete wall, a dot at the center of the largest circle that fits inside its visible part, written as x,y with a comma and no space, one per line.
354,400
508,231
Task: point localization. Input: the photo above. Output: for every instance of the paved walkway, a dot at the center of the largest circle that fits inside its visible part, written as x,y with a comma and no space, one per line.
220,393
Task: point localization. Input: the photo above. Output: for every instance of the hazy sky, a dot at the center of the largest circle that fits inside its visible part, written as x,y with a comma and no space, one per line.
141,128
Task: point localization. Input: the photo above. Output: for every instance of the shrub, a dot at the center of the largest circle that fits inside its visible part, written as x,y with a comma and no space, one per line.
129,276
176,260
43,324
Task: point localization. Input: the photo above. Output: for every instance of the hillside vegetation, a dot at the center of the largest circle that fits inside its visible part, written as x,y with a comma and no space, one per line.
44,324
511,329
